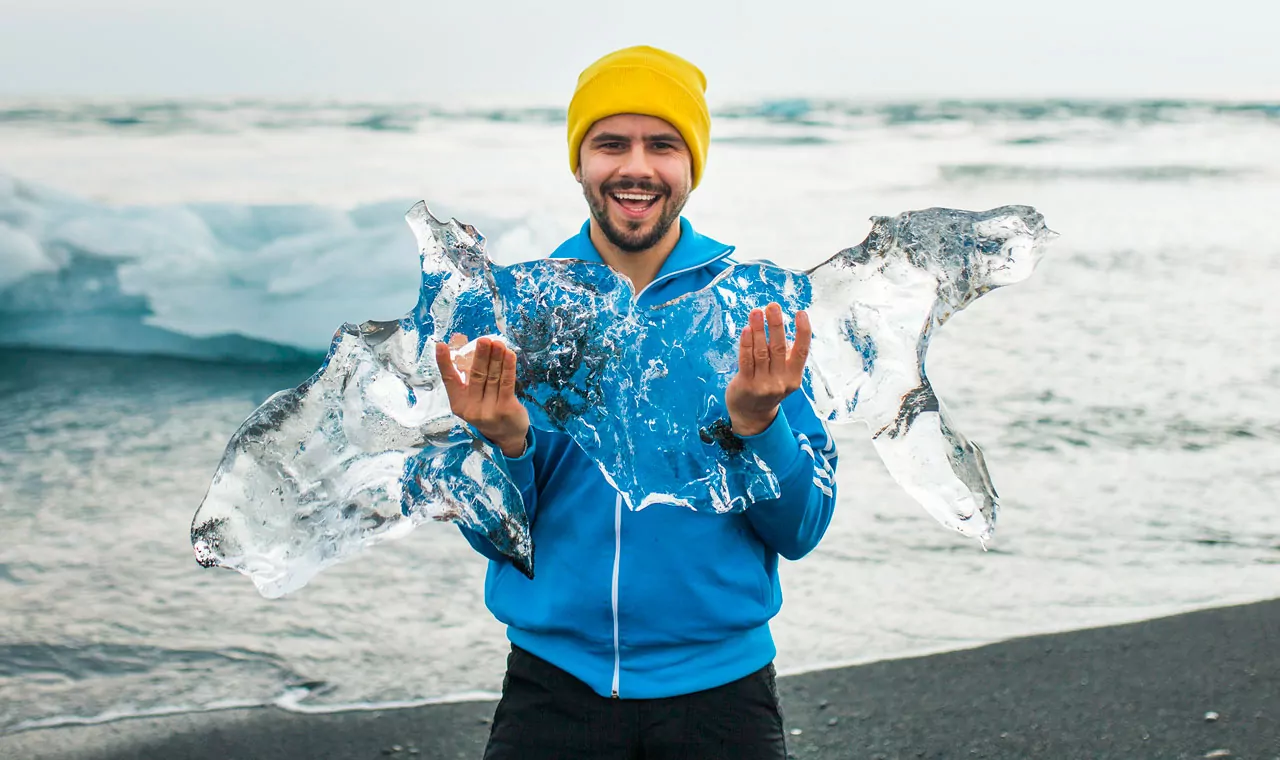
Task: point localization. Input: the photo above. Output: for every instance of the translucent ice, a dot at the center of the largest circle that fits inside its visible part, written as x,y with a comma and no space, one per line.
875,307
363,451
325,469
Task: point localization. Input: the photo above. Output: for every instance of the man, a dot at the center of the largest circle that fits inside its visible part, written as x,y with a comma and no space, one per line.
646,634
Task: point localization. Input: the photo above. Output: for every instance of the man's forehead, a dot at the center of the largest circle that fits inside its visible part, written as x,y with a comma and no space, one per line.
633,125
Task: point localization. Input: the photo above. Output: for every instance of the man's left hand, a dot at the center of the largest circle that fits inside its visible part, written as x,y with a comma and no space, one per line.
768,369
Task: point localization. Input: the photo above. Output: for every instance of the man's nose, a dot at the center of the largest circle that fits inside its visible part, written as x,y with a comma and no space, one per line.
637,163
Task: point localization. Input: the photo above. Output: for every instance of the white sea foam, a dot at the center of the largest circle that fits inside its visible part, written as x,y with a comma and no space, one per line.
292,700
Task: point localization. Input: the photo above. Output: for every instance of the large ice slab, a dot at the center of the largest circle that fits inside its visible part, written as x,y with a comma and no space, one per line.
367,448
362,452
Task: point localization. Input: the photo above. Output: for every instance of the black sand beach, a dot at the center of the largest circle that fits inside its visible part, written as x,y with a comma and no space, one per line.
1200,685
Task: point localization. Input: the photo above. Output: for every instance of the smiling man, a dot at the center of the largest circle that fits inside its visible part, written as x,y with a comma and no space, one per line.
646,634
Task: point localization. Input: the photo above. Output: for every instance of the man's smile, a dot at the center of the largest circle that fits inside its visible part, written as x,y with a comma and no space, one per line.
634,205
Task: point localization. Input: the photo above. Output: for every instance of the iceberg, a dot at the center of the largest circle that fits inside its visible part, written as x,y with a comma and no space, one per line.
368,448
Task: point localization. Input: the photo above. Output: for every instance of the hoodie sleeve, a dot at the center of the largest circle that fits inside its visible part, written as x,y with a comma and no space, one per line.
800,451
522,474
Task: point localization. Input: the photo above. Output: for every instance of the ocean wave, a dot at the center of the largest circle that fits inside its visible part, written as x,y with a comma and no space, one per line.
1130,428
177,116
762,141
175,682
37,678
289,701
76,663
210,281
844,112
1035,173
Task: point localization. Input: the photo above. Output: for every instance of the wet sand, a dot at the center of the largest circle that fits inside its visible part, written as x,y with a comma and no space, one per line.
1200,685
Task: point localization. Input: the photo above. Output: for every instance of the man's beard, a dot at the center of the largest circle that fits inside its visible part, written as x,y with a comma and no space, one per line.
629,238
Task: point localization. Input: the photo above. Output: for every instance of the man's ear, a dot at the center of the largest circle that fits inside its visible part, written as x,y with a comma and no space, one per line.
577,173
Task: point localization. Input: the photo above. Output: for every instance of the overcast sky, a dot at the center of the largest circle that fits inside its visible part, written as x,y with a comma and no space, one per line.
522,51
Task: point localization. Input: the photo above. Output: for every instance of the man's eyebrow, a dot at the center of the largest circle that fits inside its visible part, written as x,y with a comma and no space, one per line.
604,137
665,137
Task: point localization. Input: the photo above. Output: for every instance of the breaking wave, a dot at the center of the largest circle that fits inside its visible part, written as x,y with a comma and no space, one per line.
174,116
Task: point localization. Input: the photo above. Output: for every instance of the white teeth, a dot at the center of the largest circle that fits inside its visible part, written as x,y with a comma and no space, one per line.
633,197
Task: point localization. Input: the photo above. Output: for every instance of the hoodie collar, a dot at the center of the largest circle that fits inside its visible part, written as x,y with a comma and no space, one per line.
692,251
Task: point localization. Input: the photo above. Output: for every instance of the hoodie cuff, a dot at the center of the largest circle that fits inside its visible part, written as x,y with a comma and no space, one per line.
519,468
776,445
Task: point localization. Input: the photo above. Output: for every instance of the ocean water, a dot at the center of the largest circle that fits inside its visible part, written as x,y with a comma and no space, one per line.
166,266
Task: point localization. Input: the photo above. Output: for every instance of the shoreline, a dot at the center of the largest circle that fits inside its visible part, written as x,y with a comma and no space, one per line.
1188,686
286,703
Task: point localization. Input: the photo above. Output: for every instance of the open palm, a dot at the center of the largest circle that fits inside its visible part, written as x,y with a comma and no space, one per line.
768,369
486,395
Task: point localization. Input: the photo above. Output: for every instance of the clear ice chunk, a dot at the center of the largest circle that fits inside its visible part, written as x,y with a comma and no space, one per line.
875,307
367,448
363,451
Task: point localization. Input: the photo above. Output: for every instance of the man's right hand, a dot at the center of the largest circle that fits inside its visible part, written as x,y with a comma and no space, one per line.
486,396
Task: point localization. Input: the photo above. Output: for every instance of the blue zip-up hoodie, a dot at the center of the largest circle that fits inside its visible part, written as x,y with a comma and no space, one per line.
663,601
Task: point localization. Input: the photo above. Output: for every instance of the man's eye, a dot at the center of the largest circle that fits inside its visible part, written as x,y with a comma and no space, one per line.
663,146
612,146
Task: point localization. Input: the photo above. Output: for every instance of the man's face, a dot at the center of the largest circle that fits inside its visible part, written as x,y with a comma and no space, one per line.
636,173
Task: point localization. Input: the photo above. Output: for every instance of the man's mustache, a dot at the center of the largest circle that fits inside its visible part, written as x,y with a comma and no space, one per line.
623,186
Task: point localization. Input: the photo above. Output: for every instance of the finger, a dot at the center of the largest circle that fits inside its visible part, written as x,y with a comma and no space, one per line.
463,363
479,370
800,349
777,337
746,361
759,342
493,373
508,384
453,385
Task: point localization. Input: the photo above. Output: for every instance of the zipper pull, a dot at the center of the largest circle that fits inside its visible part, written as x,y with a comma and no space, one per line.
615,694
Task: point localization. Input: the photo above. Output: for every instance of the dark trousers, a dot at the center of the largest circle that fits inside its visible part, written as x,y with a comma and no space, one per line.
547,714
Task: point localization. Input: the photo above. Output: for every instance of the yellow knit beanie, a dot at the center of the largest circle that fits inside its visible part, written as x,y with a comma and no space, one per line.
647,81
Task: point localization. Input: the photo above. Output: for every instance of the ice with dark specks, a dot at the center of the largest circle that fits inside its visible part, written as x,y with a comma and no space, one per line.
367,448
